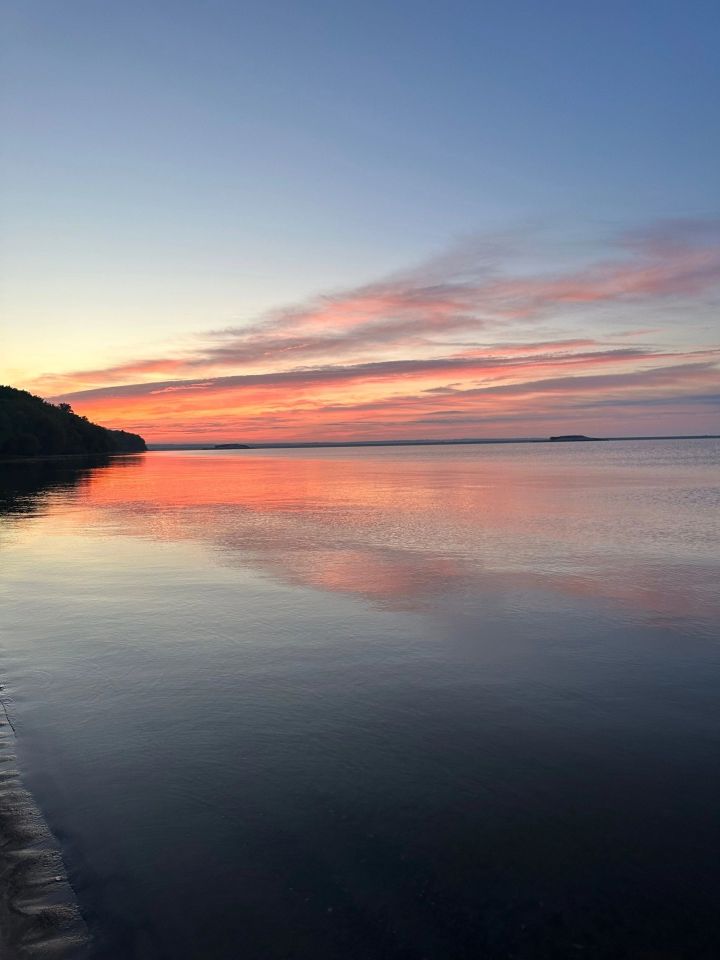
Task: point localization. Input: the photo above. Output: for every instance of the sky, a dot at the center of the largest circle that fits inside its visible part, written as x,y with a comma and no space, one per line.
228,221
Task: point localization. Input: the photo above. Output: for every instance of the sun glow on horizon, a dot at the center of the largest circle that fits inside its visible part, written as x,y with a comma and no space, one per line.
462,345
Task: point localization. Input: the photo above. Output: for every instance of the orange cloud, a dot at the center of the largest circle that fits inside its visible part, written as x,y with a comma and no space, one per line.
380,357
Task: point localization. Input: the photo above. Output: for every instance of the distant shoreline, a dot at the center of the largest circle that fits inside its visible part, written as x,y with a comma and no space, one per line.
315,444
36,458
330,444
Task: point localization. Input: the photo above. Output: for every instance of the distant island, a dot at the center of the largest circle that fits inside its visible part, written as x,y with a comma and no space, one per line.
33,427
424,442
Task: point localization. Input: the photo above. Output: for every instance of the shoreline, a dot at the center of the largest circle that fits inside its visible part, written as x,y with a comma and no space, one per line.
39,913
59,457
318,444
330,444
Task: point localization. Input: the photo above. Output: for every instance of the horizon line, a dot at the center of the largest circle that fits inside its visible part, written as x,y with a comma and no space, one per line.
295,444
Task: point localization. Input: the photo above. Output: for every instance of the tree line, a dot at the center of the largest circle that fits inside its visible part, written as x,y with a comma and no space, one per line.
33,427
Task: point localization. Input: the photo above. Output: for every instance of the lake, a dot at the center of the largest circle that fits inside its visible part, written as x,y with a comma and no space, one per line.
390,703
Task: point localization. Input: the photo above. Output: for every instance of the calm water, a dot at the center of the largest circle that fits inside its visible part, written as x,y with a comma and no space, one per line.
380,703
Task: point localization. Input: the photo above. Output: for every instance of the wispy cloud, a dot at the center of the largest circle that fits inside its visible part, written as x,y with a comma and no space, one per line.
470,322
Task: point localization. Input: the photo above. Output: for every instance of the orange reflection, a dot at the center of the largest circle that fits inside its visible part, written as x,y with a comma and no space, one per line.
408,528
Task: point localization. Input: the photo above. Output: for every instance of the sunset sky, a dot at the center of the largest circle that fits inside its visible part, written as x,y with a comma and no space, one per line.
273,221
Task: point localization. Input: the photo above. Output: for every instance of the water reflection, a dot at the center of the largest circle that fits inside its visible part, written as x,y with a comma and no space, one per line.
27,486
396,704
423,532
38,912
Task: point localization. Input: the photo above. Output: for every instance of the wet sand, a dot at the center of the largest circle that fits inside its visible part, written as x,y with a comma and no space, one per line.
39,917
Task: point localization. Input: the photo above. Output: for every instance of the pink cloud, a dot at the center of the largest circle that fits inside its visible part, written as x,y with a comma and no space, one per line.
459,325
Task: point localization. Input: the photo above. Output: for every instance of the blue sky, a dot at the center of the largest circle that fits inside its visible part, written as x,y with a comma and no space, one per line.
173,166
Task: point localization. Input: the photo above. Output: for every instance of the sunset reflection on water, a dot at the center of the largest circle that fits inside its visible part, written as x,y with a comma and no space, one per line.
400,702
408,528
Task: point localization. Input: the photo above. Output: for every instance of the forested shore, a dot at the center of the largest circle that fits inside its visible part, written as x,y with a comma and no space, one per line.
33,427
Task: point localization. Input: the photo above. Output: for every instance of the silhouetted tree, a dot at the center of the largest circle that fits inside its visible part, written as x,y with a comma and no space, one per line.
29,427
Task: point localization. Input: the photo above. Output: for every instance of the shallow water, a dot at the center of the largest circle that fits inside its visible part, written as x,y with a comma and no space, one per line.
375,703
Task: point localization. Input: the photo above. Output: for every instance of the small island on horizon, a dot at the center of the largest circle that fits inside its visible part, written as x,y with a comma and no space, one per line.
33,427
415,442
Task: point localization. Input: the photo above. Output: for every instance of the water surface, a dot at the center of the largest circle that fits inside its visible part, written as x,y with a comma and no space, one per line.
375,703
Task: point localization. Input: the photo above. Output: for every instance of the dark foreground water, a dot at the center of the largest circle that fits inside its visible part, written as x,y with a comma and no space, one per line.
393,703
